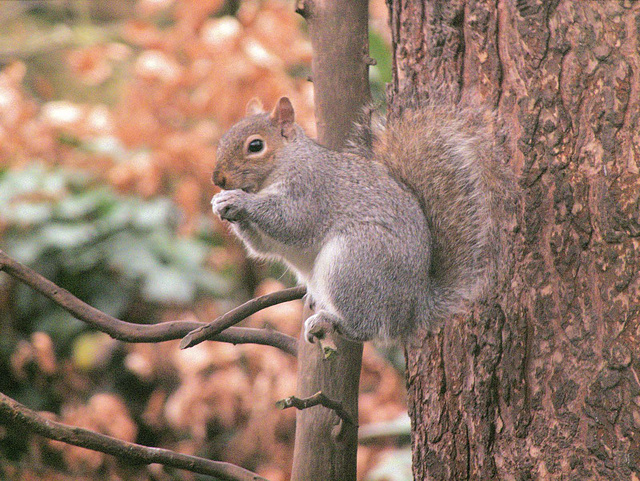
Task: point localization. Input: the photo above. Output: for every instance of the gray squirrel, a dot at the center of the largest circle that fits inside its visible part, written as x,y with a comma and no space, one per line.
396,232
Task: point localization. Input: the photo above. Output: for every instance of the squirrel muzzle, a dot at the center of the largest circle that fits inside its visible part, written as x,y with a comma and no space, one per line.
219,179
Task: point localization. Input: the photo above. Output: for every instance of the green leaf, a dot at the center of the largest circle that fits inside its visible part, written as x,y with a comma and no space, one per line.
70,140
60,325
213,283
67,236
79,261
154,214
26,248
168,285
24,181
54,182
116,216
27,213
189,253
76,207
132,255
88,348
112,298
28,305
107,145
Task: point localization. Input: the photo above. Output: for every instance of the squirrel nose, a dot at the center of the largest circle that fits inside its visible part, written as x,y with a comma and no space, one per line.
219,179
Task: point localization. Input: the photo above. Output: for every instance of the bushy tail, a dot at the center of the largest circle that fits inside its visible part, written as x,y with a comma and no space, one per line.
451,159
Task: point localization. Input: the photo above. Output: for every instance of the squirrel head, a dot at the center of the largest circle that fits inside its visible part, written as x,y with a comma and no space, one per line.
247,152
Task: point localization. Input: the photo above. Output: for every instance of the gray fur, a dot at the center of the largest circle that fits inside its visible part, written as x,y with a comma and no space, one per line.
357,233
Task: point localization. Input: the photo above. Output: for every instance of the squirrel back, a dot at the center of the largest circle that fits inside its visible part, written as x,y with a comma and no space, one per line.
450,158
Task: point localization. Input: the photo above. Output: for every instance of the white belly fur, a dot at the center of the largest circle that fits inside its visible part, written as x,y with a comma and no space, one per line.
318,284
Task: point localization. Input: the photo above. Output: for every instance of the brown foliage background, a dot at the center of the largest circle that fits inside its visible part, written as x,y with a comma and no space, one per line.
137,95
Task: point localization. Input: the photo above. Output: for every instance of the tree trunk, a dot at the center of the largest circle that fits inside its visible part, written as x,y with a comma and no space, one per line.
541,381
325,447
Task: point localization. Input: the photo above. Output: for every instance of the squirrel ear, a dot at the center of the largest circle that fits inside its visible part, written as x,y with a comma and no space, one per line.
284,116
254,107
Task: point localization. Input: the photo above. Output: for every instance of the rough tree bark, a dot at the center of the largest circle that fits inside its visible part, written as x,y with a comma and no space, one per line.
541,381
325,447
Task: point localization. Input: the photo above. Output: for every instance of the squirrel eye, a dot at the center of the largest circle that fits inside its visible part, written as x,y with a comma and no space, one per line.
255,146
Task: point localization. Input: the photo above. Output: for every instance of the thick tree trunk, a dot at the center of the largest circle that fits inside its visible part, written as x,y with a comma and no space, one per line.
540,382
325,447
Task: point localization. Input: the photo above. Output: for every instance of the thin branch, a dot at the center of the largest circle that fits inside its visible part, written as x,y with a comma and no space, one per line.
239,313
317,399
13,412
130,332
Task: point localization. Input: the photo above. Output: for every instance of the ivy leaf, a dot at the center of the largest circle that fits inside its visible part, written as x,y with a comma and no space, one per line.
76,207
68,236
27,214
25,248
153,214
213,283
168,285
132,256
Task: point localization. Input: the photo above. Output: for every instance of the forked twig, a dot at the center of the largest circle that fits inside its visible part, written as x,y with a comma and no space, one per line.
236,315
318,399
163,331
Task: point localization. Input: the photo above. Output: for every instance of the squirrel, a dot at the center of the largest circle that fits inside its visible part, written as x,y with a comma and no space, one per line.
397,231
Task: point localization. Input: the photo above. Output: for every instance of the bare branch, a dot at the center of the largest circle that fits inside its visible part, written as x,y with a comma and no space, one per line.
239,313
130,332
13,412
317,399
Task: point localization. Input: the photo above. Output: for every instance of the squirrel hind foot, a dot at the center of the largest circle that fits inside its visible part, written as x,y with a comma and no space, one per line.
320,325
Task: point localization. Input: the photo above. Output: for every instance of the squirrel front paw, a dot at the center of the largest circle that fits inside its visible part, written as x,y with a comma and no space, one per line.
228,204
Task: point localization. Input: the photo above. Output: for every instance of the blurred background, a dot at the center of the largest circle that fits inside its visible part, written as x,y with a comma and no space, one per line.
109,117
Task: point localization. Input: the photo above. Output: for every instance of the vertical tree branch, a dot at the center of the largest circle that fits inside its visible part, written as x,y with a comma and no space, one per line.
339,37
340,71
